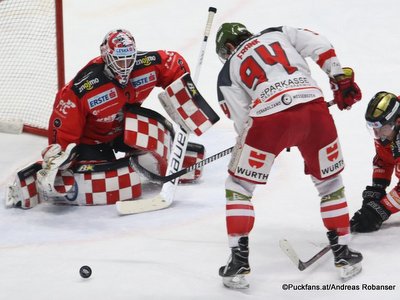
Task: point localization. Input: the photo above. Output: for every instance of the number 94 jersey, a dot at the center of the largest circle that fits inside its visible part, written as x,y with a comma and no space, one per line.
268,72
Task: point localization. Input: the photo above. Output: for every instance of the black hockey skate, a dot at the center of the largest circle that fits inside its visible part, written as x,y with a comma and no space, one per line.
233,273
347,260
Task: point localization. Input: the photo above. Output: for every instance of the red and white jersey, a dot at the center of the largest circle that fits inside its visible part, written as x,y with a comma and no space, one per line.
268,73
90,108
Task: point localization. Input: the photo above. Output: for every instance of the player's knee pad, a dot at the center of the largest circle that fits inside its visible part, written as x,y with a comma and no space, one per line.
238,189
328,186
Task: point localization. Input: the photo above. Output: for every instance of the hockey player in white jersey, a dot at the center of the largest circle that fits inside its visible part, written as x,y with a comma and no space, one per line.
266,88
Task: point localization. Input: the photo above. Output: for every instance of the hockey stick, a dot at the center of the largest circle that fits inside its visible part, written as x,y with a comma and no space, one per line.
166,196
161,179
301,265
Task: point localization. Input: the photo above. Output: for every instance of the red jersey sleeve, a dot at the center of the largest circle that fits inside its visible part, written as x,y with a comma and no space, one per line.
67,120
383,163
172,66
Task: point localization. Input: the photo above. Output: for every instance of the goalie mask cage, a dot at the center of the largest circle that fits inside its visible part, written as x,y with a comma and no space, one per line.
31,61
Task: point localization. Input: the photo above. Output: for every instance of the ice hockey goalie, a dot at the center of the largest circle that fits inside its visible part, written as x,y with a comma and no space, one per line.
63,178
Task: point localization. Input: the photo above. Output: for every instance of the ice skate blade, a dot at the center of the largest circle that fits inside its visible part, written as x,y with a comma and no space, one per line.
348,272
236,282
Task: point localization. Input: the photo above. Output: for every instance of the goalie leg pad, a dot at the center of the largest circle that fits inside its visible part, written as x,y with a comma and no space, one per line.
90,188
194,153
149,131
25,192
108,187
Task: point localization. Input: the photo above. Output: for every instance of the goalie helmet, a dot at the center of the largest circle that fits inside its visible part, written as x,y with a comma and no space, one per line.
118,51
233,33
382,112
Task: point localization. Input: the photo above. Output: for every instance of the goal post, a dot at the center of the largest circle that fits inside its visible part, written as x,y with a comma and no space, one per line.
32,62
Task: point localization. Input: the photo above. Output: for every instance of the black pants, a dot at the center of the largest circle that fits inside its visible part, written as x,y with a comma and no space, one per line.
104,151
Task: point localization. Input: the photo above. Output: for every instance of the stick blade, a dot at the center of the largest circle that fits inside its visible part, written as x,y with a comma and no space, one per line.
289,251
129,207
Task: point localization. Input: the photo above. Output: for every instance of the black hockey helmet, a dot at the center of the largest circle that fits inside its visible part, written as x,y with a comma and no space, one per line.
383,109
233,33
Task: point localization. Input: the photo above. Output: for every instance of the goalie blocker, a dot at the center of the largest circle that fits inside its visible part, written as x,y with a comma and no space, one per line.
186,107
100,183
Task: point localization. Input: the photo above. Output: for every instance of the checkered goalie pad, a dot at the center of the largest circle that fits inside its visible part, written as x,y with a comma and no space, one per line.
100,188
191,157
146,133
96,188
190,105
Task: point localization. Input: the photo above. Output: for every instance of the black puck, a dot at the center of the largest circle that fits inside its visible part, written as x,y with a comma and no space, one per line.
85,271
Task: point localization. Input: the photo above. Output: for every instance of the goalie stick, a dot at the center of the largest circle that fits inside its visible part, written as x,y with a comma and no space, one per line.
301,265
161,179
166,196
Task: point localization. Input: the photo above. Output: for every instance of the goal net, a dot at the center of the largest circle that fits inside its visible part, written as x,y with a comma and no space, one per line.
31,61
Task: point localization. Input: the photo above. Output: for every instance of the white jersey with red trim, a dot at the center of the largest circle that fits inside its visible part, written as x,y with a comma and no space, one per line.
268,73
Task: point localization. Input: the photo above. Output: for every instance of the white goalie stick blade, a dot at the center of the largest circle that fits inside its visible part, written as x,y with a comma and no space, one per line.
301,265
161,201
142,205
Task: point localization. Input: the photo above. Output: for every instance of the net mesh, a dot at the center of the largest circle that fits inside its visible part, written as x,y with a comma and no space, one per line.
28,61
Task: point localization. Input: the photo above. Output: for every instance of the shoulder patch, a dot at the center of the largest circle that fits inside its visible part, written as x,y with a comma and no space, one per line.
89,78
145,59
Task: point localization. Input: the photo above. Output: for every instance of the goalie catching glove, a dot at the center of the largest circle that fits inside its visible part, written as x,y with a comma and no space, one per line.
54,159
186,107
345,91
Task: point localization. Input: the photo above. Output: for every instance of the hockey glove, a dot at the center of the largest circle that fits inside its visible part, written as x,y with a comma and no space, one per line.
345,91
372,213
55,158
395,146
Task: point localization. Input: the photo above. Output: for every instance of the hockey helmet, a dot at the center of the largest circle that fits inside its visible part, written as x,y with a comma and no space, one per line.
233,33
118,51
382,112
